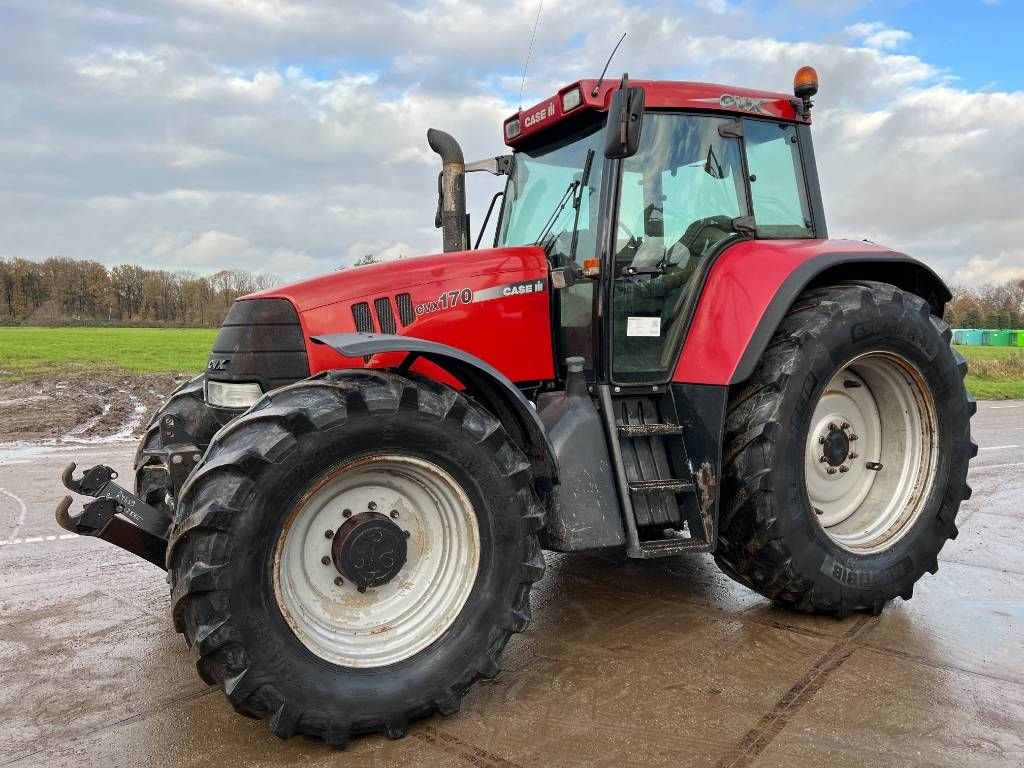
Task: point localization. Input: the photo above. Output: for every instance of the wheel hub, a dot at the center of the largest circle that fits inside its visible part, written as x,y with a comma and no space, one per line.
836,448
369,550
870,454
376,560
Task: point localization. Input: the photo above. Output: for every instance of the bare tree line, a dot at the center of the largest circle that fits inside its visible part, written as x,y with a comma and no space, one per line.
60,291
990,306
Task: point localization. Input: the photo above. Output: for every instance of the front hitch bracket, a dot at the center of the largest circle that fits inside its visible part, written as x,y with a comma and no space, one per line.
117,515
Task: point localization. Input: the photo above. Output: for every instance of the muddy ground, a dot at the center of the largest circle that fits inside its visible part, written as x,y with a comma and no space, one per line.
663,662
99,407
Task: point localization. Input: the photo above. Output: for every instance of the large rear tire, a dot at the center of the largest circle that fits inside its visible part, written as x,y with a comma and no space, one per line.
268,599
846,453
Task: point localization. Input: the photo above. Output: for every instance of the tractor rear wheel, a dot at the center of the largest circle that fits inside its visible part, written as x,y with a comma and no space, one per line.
199,420
353,553
846,453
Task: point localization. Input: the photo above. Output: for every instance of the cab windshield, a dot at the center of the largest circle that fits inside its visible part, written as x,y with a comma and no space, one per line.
543,189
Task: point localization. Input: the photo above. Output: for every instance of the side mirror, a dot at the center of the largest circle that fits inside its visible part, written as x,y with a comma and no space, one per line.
563,277
625,119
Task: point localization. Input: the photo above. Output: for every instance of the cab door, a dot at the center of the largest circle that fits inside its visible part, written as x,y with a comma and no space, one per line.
680,199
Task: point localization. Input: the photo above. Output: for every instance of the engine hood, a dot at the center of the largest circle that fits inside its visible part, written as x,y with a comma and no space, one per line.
493,304
390,277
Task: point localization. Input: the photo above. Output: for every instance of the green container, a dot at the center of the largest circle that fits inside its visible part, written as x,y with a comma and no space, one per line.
1017,338
968,336
995,338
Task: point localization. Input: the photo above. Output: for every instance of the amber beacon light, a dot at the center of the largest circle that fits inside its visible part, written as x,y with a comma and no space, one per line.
805,85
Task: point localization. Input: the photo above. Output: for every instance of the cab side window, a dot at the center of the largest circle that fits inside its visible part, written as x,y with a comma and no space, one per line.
777,187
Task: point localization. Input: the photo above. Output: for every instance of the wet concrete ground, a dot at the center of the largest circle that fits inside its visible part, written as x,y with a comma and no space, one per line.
628,663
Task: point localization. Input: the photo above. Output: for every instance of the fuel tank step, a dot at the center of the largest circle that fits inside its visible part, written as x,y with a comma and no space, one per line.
663,512
648,430
659,486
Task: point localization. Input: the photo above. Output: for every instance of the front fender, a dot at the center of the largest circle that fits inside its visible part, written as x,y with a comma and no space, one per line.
486,384
753,284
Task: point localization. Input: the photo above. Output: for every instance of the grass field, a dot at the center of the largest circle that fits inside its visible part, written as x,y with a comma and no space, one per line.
29,352
996,373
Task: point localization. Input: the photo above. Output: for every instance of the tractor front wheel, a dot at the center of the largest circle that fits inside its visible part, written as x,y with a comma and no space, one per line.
199,420
846,452
353,553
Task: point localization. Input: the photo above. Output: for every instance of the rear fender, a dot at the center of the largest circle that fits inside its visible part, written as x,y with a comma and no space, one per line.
754,283
487,385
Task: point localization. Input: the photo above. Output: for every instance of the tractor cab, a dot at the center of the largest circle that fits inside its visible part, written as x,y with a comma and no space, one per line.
632,189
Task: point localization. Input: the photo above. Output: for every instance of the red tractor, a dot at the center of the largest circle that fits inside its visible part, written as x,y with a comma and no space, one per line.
662,352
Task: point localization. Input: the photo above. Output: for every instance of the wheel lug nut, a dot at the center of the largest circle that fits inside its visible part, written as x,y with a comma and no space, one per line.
346,513
853,455
394,513
339,581
831,470
821,440
325,560
361,589
372,506
845,425
407,534
831,427
844,468
853,437
328,534
822,459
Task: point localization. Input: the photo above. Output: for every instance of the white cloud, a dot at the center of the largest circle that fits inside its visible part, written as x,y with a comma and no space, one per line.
290,135
877,35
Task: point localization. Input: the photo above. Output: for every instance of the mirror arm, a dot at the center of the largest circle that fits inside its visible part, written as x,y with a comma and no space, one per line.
496,166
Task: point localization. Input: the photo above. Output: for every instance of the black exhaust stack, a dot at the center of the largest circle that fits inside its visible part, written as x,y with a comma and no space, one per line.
451,202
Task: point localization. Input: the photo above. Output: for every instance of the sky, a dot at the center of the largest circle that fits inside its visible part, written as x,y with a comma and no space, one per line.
289,136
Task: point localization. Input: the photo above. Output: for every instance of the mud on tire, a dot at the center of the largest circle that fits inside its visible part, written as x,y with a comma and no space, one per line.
231,514
769,539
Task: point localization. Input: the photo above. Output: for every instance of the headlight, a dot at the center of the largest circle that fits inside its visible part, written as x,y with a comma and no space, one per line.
225,394
512,128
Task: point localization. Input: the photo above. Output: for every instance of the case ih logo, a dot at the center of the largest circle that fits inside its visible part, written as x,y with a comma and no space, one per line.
743,103
531,286
541,114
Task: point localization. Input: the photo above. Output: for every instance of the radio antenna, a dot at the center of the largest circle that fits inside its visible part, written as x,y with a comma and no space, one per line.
529,53
601,78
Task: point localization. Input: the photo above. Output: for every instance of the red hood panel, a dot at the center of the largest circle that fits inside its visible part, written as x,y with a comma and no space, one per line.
404,274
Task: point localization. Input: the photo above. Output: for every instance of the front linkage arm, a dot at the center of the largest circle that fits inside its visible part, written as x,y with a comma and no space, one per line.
117,516
121,517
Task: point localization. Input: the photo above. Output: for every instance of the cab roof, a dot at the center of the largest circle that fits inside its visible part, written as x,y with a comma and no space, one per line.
659,94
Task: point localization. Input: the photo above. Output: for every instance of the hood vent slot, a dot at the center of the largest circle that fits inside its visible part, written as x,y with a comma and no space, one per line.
405,311
364,320
385,315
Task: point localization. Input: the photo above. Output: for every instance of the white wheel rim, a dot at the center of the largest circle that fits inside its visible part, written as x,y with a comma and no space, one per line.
879,415
393,621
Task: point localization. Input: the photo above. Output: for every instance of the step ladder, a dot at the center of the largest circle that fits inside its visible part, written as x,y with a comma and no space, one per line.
665,512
